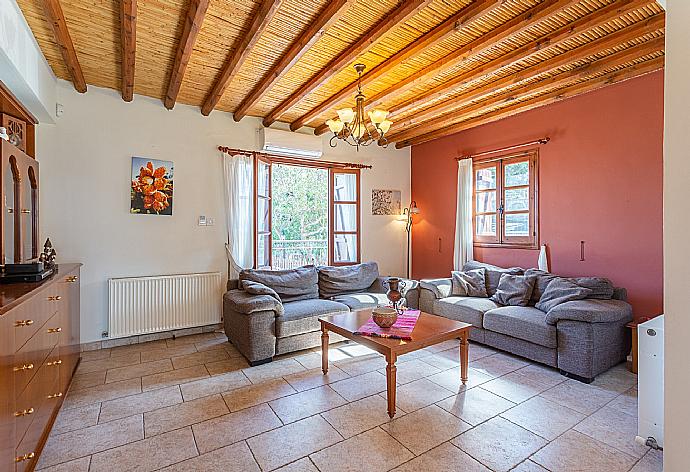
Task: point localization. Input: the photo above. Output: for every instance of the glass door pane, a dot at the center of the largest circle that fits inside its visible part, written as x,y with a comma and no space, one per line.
344,216
263,213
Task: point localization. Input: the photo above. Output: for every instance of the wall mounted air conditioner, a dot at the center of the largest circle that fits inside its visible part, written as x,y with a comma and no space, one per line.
287,143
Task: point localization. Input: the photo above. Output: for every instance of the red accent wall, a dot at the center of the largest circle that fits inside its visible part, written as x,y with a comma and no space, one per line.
600,181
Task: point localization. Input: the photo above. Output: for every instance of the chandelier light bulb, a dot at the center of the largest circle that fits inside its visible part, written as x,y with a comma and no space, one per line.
384,126
377,116
335,125
346,115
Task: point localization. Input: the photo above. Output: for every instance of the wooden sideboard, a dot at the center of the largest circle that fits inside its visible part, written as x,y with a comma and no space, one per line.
39,351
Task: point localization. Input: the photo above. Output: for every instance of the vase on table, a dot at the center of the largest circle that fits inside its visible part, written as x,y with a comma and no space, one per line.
395,286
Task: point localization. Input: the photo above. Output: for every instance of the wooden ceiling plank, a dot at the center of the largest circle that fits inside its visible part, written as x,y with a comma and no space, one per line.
128,46
578,54
56,18
241,50
555,96
329,15
193,21
427,40
402,13
465,109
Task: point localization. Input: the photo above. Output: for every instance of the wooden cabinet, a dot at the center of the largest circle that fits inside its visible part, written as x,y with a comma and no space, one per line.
39,351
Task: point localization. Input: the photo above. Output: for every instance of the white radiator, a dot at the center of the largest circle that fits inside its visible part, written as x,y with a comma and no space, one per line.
142,305
650,379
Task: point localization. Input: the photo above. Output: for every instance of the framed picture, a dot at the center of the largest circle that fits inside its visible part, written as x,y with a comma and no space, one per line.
386,202
152,187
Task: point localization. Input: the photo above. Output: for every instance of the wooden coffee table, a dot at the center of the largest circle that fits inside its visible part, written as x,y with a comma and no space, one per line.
429,330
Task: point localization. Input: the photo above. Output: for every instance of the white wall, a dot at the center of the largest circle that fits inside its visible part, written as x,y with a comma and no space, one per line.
85,173
676,231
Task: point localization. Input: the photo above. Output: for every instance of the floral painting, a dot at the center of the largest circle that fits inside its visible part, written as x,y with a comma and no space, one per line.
385,202
152,186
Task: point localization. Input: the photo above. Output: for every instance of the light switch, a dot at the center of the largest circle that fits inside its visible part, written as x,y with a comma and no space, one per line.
202,221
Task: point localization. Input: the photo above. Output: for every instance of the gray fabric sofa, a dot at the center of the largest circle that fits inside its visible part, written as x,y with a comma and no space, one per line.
267,313
582,338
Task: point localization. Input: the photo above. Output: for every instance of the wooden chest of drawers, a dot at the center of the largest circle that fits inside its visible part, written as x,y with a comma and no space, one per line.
39,351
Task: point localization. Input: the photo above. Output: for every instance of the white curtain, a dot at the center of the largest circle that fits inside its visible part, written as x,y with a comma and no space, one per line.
239,214
463,249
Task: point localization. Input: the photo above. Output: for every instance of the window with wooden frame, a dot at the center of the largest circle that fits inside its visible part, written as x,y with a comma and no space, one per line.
505,201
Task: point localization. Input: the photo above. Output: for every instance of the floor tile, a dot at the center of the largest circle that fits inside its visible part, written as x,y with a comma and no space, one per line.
138,370
579,396
359,416
167,352
577,451
418,394
109,363
498,364
314,378
372,451
88,356
173,377
76,418
138,347
307,403
617,379
291,442
184,414
215,384
445,345
653,461
197,358
475,405
407,372
615,429
279,368
360,386
302,465
235,458
77,465
190,339
499,444
139,403
359,366
450,379
251,395
625,403
310,360
425,429
233,427
83,442
445,457
515,387
442,361
529,466
89,379
147,455
543,417
232,364
211,344
86,396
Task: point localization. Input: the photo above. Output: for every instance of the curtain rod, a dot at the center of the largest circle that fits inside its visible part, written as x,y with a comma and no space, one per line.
294,160
508,148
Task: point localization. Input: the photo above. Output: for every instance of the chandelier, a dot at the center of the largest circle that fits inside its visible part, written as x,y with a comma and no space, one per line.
351,125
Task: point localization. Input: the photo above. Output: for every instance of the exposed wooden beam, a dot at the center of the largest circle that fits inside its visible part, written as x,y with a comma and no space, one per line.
192,25
333,10
465,109
128,46
56,18
536,102
405,10
241,50
451,25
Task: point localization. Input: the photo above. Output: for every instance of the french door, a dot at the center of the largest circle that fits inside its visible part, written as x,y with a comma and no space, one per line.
263,239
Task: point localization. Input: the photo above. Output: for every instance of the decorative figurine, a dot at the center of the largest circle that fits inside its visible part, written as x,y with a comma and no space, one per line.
3,133
48,255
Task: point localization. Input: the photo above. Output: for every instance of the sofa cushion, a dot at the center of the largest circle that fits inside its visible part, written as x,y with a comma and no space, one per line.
302,316
470,283
522,322
362,300
290,284
255,288
514,290
346,279
542,280
560,291
493,273
465,309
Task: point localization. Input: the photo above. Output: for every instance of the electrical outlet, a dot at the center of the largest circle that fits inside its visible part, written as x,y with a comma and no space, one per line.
202,221
210,221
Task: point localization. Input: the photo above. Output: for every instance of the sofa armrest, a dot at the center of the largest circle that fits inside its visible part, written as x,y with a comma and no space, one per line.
591,311
440,288
246,303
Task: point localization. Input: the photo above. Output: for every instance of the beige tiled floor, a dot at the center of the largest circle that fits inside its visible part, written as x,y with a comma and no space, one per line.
193,403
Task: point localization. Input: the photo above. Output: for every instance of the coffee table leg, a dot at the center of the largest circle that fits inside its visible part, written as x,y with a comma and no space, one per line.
464,357
324,350
390,384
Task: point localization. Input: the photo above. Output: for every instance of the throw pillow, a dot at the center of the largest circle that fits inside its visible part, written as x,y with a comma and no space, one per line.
542,280
493,273
471,283
559,291
346,279
291,285
255,288
602,288
514,290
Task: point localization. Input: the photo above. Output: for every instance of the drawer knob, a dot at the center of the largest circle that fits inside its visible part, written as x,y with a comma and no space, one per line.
54,330
24,412
57,362
19,323
72,278
25,457
54,298
55,395
24,367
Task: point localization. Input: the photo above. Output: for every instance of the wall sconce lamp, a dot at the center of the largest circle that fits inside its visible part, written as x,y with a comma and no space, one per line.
413,209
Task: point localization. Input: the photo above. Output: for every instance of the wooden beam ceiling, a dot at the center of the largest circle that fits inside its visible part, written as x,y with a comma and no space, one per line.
192,24
429,39
330,14
56,18
402,13
128,46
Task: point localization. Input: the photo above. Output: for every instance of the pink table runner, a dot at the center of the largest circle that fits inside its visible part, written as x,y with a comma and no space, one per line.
401,329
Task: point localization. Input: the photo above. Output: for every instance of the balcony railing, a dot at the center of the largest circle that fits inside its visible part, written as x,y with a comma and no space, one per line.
288,254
